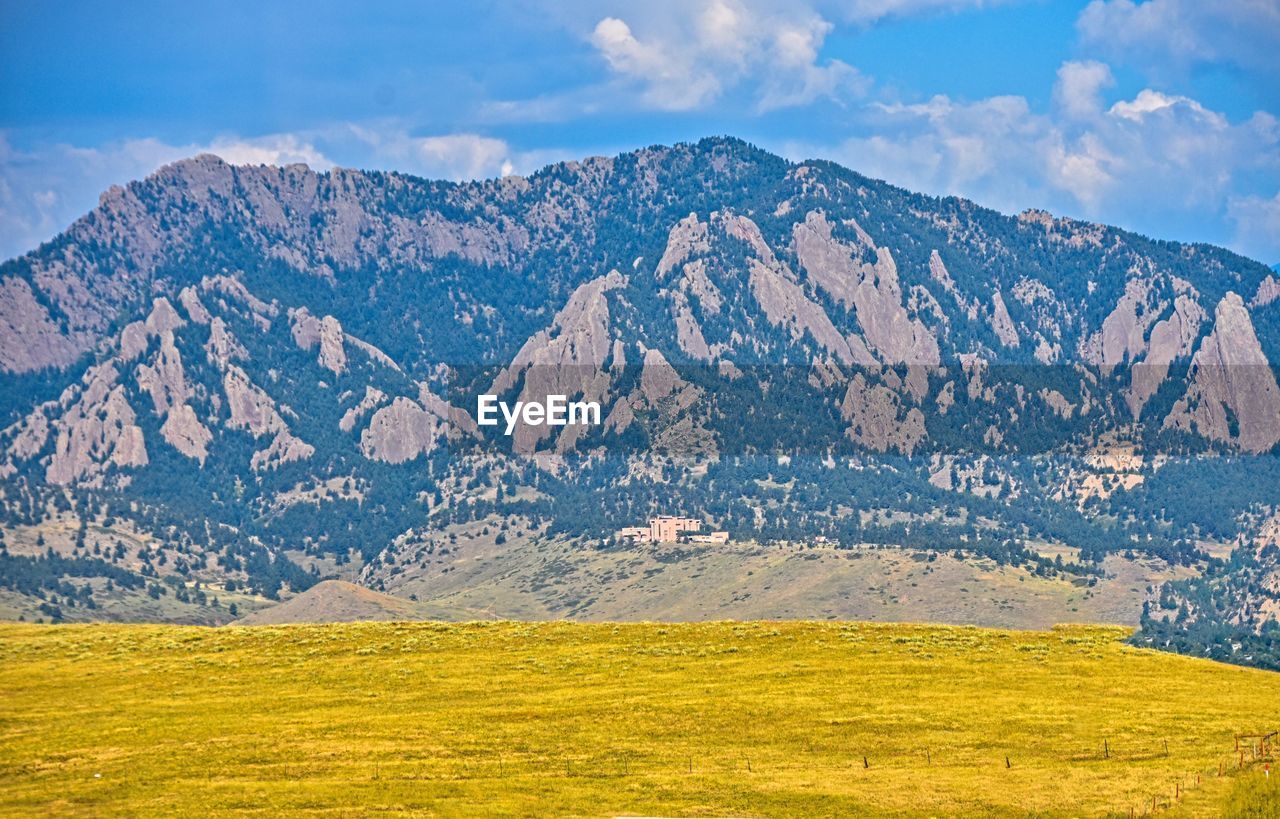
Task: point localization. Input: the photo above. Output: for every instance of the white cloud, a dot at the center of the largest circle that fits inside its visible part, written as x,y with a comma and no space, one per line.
1149,102
277,149
683,55
456,157
673,79
1257,225
1078,91
871,11
1172,35
1154,162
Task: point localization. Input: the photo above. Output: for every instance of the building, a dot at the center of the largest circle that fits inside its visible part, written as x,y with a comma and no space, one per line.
711,537
667,529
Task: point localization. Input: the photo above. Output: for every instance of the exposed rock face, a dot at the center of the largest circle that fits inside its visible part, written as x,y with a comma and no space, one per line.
222,347
873,412
658,379
182,429
283,448
568,359
401,432
190,301
250,407
166,382
254,410
1233,396
666,399
373,398
309,331
727,275
97,431
235,289
1001,323
1057,402
1268,292
687,238
1124,330
165,379
873,290
688,331
785,304
1171,338
29,338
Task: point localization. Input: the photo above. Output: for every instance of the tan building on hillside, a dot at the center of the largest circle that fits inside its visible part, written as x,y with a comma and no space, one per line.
667,529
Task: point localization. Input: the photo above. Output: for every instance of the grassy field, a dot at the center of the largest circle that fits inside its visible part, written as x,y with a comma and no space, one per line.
712,719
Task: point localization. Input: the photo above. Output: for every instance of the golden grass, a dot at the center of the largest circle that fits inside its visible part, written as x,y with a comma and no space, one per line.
707,719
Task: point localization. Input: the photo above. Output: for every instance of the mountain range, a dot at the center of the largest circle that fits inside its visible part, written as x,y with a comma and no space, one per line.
225,384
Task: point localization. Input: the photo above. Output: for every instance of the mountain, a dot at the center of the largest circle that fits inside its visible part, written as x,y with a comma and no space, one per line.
252,378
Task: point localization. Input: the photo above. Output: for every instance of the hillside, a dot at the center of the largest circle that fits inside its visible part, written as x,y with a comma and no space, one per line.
747,719
248,379
336,601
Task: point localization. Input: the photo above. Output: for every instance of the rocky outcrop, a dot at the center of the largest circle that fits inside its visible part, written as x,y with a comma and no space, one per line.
29,337
871,289
1268,291
165,381
373,398
785,304
1233,396
402,431
876,420
97,431
1123,333
566,359
1171,338
688,331
253,410
309,332
1001,322
664,399
688,238
222,347
183,430
190,301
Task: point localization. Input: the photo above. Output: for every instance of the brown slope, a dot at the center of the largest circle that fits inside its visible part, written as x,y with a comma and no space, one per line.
337,601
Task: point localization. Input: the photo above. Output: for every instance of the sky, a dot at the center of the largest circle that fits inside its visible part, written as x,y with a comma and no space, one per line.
1160,116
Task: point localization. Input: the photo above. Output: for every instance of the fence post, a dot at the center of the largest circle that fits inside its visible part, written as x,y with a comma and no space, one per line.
1106,749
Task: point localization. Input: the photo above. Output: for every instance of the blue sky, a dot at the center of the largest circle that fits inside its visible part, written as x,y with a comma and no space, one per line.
1160,116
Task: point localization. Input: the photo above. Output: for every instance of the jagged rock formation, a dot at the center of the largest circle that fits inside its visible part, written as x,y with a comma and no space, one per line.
872,289
568,358
1233,394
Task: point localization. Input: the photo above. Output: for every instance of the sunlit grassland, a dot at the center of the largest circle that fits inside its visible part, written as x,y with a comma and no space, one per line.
509,718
